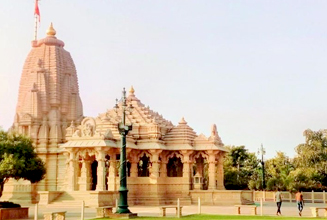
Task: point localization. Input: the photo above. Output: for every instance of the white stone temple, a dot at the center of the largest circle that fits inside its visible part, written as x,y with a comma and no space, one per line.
165,161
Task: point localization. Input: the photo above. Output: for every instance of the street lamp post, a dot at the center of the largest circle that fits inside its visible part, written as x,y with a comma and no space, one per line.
123,131
262,151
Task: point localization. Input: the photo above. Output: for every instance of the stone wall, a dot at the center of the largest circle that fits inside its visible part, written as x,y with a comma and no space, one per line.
221,197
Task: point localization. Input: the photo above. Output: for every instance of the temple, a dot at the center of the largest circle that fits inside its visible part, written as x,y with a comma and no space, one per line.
165,161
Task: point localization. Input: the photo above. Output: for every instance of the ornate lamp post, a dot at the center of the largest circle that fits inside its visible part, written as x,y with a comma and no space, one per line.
262,151
123,130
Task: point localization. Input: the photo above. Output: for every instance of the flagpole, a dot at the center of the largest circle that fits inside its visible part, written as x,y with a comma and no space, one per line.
37,16
35,28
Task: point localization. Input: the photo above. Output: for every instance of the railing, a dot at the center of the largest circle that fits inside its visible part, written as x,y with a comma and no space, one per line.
313,197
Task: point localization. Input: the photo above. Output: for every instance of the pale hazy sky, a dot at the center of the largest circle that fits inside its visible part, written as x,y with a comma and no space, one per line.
255,68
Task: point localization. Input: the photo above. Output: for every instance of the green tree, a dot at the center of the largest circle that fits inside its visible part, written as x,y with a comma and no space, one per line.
239,166
311,161
18,159
278,171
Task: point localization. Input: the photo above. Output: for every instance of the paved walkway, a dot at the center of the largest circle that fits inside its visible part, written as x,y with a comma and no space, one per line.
269,208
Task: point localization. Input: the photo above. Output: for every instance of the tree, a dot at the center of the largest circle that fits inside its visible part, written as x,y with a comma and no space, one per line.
311,161
278,171
18,160
239,166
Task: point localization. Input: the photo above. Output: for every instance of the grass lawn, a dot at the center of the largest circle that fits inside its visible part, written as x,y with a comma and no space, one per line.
218,217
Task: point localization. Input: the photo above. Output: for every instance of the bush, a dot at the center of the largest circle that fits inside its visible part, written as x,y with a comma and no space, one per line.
7,204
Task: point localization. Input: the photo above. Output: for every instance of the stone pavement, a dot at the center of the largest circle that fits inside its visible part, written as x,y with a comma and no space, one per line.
269,208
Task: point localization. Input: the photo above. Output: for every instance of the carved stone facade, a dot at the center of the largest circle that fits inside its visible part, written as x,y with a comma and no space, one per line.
162,158
82,153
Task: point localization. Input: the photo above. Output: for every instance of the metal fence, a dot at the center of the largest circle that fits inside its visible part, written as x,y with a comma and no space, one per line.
312,197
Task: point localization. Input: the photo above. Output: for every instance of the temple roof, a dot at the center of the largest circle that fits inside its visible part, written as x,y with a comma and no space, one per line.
146,122
150,129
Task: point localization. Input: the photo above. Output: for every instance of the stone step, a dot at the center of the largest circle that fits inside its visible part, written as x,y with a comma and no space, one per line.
71,198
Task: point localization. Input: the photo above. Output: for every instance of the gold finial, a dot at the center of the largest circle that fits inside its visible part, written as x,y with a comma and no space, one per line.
131,90
183,121
51,31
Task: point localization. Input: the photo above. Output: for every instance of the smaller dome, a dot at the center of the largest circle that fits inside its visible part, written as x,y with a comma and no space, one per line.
181,134
51,31
50,39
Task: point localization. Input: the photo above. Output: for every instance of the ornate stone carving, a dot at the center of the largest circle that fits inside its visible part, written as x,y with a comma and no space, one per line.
77,133
214,137
197,154
108,134
88,127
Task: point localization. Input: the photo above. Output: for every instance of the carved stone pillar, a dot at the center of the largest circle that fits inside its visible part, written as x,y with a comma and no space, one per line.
163,167
86,179
220,172
163,171
43,134
71,184
186,171
34,132
212,168
133,159
112,173
134,169
155,164
101,171
186,165
66,173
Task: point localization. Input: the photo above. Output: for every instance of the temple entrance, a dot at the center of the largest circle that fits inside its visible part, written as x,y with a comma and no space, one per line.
94,168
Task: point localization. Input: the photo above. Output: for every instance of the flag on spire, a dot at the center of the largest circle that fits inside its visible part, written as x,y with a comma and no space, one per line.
37,17
36,10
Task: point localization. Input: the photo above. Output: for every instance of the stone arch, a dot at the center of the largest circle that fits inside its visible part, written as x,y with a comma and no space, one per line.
174,154
200,167
144,164
141,153
174,164
197,154
84,152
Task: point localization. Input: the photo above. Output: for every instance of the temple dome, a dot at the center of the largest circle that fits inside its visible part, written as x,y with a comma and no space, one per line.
48,90
181,134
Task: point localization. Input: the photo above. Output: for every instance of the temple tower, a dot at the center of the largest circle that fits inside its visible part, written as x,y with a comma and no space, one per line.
48,102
